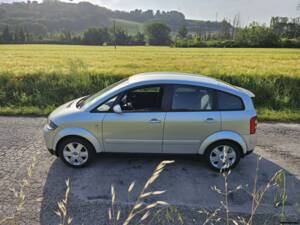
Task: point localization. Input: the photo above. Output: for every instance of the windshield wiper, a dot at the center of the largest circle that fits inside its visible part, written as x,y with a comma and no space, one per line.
81,102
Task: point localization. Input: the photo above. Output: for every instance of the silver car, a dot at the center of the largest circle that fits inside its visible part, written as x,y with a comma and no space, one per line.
168,113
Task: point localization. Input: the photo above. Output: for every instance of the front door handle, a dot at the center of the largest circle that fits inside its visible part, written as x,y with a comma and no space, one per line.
209,120
154,120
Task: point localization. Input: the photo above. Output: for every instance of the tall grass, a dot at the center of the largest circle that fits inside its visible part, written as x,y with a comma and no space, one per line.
40,93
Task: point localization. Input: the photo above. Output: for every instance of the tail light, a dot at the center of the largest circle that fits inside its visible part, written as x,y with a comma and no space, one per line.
253,125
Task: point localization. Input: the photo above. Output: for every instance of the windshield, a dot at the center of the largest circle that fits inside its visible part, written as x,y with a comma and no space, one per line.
90,98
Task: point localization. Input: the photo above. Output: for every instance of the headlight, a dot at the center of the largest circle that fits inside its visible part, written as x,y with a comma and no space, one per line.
51,125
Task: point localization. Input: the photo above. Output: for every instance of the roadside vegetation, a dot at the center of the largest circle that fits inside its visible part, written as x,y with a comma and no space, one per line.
147,208
34,79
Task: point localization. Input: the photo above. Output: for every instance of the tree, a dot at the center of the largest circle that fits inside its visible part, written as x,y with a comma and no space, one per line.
20,36
226,30
95,36
257,36
7,36
121,37
158,34
139,39
182,32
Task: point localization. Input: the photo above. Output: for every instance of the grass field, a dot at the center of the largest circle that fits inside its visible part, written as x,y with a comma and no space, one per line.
21,59
36,78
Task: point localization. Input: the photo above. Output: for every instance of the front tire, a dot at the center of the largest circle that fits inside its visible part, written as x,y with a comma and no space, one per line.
223,155
76,152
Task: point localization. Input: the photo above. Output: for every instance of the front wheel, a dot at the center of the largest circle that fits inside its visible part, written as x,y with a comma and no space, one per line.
223,155
76,152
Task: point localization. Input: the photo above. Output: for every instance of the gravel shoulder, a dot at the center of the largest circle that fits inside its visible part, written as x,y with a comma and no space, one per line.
188,182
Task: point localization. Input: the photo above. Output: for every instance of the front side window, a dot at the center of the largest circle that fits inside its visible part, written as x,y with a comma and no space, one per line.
144,99
189,98
229,102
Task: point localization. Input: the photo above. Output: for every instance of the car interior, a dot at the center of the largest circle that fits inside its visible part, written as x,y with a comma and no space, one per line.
145,99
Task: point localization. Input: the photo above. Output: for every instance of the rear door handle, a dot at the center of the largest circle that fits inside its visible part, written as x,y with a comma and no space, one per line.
154,121
209,120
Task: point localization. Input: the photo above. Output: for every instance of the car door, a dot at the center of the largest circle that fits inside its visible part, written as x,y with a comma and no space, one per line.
190,119
139,127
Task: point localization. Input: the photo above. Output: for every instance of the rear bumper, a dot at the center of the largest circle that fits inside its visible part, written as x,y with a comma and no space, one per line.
251,141
248,153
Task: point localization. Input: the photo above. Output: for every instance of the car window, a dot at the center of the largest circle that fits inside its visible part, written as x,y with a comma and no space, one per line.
105,107
145,99
188,98
93,98
229,102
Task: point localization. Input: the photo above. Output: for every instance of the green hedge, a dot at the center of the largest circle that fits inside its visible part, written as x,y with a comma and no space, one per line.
277,92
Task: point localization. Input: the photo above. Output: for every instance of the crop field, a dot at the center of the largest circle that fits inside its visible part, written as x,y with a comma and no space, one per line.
23,59
34,79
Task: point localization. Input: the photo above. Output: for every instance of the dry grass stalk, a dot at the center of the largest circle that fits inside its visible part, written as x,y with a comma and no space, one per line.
62,210
139,208
20,194
278,179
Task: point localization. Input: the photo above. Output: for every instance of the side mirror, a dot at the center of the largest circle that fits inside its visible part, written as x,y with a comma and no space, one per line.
117,109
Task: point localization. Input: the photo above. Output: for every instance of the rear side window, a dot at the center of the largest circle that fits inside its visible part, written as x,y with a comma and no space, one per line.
229,102
189,98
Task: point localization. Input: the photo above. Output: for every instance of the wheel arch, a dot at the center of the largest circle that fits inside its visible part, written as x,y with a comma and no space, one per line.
77,132
223,136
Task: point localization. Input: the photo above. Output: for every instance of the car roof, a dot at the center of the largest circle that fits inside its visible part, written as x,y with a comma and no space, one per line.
171,76
186,78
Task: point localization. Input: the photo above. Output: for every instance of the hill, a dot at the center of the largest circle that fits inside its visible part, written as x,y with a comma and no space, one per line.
53,16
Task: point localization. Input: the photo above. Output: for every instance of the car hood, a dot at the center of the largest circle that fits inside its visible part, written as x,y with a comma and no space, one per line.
64,110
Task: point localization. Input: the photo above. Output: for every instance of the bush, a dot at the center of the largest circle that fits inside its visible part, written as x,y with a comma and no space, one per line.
49,90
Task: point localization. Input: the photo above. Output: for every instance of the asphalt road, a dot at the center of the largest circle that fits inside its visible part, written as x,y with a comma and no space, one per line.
188,181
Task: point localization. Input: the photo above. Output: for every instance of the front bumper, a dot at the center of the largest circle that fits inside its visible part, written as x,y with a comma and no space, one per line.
49,138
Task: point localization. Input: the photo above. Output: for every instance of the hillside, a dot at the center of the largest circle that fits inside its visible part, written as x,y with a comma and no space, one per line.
54,16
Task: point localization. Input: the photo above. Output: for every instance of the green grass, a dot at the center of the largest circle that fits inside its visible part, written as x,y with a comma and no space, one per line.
34,79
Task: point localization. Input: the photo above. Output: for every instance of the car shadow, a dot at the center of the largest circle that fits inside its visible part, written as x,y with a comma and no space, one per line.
188,183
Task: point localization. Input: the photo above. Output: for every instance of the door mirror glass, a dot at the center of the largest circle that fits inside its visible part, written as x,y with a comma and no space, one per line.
117,109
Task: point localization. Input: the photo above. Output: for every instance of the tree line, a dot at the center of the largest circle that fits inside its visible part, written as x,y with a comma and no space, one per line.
282,32
155,34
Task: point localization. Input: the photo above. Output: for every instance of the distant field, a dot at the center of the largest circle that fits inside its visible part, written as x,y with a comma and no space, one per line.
34,79
21,59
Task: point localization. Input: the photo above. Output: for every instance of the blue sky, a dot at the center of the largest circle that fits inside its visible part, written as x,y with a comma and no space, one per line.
250,10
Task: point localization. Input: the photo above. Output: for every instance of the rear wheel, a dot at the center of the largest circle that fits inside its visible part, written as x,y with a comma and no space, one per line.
76,152
223,155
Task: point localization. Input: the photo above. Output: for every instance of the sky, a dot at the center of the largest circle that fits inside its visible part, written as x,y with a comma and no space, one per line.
249,10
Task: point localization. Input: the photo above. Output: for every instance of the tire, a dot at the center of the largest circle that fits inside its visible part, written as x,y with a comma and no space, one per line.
76,152
216,159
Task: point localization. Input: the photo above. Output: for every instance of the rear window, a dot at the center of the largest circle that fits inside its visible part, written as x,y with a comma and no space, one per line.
229,102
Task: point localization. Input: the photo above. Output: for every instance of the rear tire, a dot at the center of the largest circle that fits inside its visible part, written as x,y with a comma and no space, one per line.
223,155
76,152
